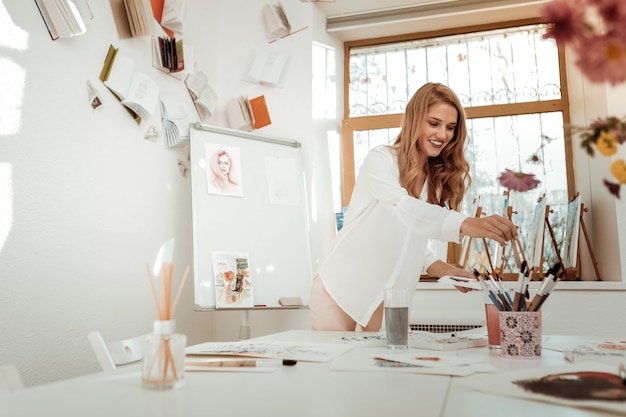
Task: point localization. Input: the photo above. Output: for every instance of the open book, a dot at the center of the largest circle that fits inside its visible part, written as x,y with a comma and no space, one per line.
64,18
203,96
175,121
140,18
173,14
168,54
247,114
276,23
267,68
135,90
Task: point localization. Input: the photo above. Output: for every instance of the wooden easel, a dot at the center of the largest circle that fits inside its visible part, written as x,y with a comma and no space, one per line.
572,274
467,245
518,254
518,251
539,273
583,210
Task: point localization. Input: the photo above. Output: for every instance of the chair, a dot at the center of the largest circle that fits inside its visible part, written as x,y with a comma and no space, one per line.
112,354
10,379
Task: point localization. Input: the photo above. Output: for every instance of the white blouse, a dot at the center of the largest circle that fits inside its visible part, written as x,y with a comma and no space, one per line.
384,239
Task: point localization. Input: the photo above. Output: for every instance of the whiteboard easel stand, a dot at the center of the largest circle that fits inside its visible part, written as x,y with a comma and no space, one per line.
244,327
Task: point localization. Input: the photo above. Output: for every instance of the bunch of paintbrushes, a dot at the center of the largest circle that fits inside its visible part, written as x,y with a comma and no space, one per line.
500,297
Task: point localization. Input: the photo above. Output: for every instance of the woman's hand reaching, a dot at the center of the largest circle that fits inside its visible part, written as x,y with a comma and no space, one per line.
493,227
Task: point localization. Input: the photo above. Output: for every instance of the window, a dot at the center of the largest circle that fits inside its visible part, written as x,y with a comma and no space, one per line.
512,84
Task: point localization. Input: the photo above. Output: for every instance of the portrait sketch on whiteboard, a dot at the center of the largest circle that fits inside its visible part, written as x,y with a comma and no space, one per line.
223,170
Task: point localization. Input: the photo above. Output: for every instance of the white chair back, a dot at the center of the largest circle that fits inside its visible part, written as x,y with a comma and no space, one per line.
10,379
112,354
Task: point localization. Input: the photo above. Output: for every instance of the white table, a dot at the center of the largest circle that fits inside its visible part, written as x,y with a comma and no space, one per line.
307,389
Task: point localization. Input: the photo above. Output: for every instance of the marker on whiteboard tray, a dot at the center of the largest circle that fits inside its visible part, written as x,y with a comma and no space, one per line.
260,305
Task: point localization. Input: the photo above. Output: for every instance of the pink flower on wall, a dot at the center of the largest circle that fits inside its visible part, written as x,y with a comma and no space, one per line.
518,181
596,31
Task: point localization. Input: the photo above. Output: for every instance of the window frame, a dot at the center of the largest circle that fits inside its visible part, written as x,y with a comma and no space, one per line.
349,125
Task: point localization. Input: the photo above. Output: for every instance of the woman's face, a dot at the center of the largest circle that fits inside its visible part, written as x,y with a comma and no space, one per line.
223,163
437,129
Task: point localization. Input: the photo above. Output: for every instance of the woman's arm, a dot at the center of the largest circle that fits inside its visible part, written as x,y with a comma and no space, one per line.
439,269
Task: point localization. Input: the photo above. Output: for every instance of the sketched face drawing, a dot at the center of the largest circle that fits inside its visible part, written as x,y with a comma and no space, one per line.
223,163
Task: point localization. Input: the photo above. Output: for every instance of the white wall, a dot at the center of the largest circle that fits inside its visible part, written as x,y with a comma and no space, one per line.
85,201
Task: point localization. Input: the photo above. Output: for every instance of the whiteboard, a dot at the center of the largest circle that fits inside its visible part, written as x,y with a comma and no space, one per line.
264,216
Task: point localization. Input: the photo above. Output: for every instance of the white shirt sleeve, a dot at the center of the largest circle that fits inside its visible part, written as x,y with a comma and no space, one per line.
429,220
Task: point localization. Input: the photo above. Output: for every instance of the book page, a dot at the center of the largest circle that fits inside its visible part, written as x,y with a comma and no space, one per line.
195,83
142,95
207,99
121,75
276,23
173,14
268,68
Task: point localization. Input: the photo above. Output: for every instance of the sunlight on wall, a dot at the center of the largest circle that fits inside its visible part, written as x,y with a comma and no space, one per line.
12,38
11,96
13,75
6,202
324,80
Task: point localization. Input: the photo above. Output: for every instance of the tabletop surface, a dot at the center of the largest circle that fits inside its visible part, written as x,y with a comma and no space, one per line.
306,389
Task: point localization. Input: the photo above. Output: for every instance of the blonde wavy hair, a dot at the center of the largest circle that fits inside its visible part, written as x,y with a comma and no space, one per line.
447,174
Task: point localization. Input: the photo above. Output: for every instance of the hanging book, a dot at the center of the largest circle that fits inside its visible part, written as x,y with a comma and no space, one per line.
168,54
202,94
260,113
247,114
239,114
64,18
173,14
276,23
175,120
233,283
141,19
135,90
267,68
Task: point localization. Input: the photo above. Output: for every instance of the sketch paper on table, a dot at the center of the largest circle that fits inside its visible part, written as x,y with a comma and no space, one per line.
307,352
425,340
605,351
511,384
282,180
440,363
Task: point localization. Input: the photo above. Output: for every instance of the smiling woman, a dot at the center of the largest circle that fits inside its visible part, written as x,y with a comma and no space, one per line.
515,110
406,194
